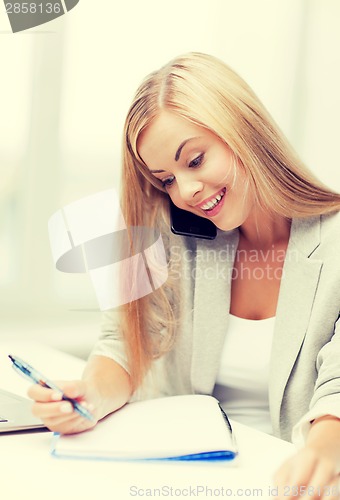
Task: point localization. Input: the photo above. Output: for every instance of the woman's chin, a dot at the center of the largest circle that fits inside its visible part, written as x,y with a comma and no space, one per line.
225,227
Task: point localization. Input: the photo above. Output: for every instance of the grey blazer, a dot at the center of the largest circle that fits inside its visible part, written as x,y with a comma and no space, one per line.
305,359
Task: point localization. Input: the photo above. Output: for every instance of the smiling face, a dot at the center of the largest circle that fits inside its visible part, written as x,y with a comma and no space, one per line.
197,170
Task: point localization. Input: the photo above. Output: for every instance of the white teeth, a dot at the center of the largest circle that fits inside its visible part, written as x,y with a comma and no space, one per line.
212,203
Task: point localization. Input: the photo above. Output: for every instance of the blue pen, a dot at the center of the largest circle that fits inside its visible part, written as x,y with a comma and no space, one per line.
33,375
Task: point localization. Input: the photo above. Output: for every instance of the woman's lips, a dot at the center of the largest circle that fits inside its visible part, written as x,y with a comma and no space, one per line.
213,199
217,208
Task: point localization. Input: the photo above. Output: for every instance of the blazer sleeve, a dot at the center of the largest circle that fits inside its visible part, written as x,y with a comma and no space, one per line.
110,342
326,396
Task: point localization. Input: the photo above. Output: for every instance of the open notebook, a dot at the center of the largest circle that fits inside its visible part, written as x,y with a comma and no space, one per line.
190,427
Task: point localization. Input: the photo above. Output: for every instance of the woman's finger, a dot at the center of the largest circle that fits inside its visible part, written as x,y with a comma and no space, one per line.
42,394
75,389
48,410
72,389
332,490
321,479
54,422
70,425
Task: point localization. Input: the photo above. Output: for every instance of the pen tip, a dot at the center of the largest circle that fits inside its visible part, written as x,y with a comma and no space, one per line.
11,358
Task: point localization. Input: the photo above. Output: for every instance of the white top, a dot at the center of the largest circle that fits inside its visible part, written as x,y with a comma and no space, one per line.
243,376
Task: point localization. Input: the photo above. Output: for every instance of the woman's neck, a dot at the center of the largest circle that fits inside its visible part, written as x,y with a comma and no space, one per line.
262,230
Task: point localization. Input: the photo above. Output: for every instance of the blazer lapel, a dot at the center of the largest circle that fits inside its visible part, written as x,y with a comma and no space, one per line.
297,291
211,307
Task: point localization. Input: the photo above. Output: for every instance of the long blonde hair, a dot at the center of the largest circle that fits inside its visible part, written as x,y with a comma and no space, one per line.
205,91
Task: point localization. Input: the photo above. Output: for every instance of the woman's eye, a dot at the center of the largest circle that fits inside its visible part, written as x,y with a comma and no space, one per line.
167,182
196,162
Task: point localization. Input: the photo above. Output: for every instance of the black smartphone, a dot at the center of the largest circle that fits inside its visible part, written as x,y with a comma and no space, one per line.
188,224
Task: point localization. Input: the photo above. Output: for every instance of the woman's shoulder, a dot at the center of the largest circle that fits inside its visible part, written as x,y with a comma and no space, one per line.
323,224
330,233
330,220
330,227
318,235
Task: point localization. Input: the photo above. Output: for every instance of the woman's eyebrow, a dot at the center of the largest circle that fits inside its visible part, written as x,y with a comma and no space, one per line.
178,153
181,146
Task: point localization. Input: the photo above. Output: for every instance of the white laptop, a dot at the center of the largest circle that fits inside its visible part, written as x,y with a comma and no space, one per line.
16,414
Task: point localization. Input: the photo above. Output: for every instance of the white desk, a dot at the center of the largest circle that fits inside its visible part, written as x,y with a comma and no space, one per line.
29,472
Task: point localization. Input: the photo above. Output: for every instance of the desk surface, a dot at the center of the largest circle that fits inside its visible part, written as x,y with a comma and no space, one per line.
29,472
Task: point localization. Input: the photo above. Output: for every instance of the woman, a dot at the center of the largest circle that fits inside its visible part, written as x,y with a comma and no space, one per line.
250,316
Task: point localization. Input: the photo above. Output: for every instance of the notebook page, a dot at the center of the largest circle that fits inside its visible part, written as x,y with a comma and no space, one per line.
156,428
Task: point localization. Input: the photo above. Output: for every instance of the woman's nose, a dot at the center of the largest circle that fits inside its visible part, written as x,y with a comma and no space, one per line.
188,189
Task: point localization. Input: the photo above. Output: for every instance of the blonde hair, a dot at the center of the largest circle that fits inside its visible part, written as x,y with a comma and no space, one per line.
205,91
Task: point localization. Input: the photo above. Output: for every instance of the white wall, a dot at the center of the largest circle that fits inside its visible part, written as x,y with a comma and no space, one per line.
318,125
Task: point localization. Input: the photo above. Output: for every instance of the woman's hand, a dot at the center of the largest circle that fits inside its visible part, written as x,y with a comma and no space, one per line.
105,387
313,472
59,415
308,475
